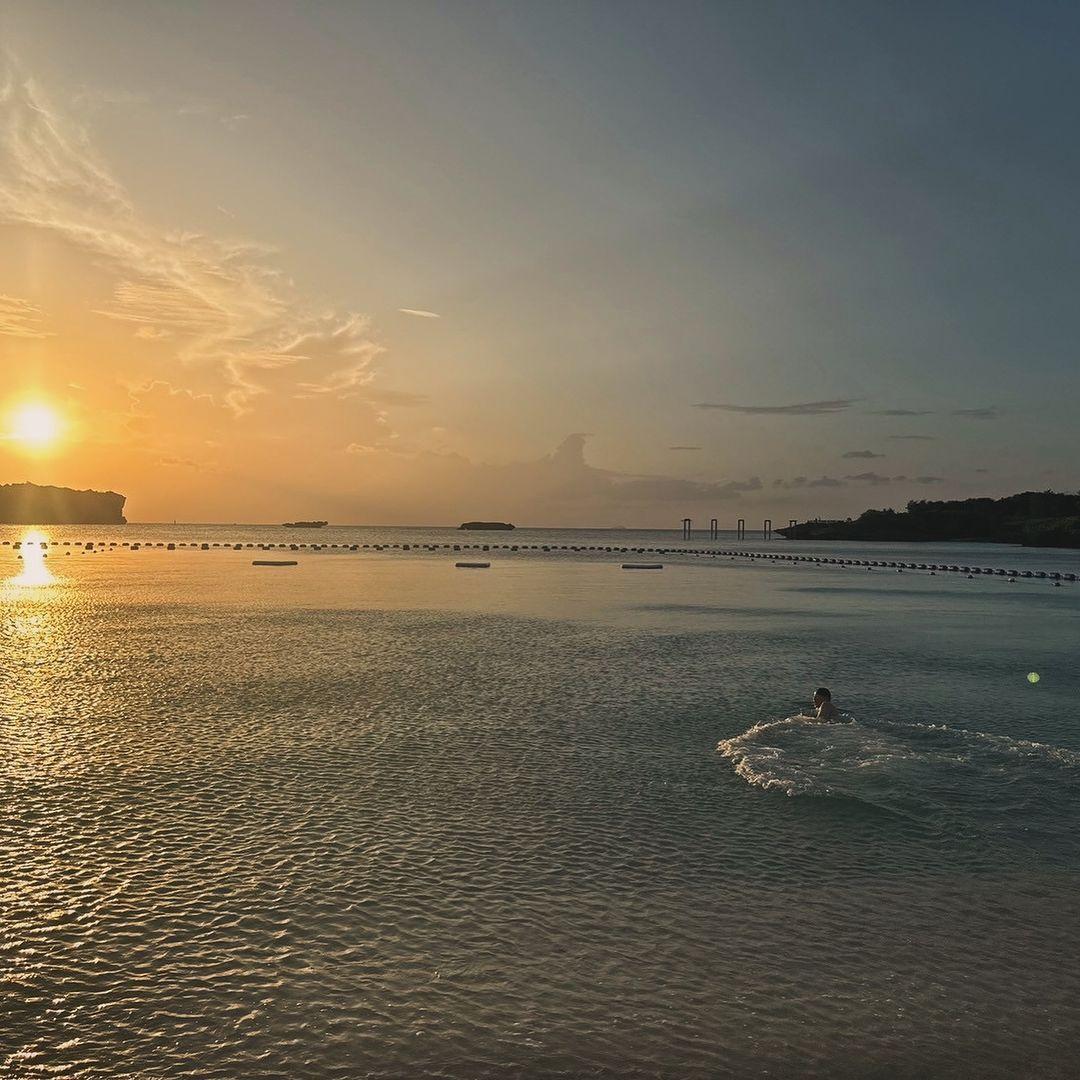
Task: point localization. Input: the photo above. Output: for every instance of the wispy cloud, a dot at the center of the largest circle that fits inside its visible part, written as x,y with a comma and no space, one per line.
170,461
419,313
989,413
868,454
20,318
222,300
95,98
151,333
900,412
684,447
229,118
802,408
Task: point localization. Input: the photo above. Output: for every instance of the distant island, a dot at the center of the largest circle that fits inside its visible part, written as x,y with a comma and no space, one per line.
31,504
1032,518
485,525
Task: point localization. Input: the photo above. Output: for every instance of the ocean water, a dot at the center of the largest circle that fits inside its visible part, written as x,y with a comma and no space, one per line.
373,815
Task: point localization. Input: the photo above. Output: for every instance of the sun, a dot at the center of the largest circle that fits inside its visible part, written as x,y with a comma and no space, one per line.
35,426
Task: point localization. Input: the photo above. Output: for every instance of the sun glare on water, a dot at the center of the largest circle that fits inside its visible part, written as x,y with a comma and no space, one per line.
35,426
35,570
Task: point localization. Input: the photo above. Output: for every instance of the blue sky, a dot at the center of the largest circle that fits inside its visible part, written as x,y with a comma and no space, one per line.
620,212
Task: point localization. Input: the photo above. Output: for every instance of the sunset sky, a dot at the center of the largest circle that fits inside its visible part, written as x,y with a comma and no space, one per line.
557,263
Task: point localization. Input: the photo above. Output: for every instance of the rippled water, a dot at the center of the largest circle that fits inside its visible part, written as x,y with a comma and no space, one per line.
375,816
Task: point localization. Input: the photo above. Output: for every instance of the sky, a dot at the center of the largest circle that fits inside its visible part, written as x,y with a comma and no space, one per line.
566,264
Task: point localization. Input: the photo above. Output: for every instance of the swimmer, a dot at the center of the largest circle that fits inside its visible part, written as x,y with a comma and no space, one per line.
824,709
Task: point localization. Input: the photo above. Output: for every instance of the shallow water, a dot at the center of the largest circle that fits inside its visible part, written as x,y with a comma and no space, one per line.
372,815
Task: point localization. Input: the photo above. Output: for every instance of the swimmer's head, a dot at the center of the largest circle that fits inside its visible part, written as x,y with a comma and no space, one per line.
821,695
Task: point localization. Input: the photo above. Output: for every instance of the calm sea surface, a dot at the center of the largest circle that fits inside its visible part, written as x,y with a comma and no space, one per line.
373,815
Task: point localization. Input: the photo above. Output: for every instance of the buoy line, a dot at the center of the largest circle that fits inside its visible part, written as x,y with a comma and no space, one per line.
933,569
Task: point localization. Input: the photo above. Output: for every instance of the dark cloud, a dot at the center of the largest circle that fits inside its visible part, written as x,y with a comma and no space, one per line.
561,487
805,482
874,478
989,413
861,454
671,489
900,412
802,408
566,471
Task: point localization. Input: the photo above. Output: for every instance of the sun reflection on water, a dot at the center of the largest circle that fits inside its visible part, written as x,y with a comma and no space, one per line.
35,568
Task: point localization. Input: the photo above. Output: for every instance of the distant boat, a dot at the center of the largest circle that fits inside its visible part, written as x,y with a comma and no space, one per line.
485,525
304,524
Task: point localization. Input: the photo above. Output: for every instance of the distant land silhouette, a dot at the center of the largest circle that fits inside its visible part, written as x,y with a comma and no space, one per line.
485,525
31,504
1032,518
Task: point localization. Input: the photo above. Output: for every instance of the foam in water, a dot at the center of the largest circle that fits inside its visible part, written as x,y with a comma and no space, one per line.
922,771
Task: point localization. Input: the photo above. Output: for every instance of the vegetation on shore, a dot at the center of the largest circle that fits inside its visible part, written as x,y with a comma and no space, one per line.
1032,518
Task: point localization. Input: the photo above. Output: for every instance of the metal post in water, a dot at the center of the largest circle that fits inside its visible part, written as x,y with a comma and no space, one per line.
686,523
714,529
740,530
766,529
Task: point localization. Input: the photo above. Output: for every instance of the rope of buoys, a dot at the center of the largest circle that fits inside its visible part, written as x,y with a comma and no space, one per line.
1055,577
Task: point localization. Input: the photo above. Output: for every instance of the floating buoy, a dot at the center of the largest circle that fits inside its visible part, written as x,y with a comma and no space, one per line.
274,562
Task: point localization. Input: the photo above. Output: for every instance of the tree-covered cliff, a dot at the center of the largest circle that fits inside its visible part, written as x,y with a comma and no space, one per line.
30,504
1034,518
